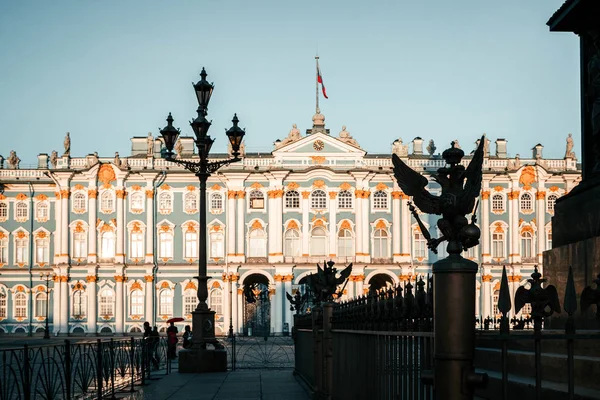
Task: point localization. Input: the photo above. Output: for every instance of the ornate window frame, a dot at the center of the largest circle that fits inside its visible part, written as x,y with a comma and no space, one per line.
417,237
380,201
318,203
19,292
106,291
105,229
526,198
138,228
257,225
21,210
216,232
165,230
345,198
255,196
217,202
137,195
498,196
41,235
550,204
499,228
20,240
79,227
345,226
189,297
4,208
140,306
107,200
3,302
296,239
42,208
165,202
79,195
291,200
4,246
189,229
165,290
191,201
79,292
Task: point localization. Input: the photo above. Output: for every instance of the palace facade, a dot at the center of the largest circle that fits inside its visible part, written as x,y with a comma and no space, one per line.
120,235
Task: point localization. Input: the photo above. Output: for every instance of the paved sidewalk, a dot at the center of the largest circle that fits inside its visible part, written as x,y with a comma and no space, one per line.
249,384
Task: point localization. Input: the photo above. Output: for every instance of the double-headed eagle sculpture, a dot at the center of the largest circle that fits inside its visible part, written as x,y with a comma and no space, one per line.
456,200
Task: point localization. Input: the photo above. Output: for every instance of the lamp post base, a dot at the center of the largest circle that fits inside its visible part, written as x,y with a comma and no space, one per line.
199,358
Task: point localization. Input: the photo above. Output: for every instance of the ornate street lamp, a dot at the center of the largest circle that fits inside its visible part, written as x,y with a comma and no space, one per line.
46,276
197,359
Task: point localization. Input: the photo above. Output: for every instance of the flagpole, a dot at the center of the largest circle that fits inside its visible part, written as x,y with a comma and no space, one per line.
317,82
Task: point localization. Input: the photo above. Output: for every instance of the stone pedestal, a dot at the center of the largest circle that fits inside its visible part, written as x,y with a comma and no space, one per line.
200,358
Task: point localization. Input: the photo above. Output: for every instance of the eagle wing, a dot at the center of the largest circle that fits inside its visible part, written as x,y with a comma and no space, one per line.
345,274
474,175
413,184
553,299
521,298
588,297
289,297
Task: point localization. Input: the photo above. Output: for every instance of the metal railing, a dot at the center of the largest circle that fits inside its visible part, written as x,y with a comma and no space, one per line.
83,370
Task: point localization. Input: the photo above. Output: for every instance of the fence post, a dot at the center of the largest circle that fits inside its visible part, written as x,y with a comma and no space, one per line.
317,352
26,374
132,362
327,351
112,367
68,367
99,368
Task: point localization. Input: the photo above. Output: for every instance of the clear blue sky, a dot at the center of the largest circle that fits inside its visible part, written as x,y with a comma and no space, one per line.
109,70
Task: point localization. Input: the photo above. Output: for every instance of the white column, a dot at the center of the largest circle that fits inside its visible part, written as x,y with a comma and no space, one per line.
513,229
272,296
272,228
396,228
149,299
240,310
278,239
57,230
540,218
332,224
92,299
406,222
486,293
64,226
359,284
278,304
92,215
289,316
240,225
231,254
120,256
305,226
485,223
119,323
56,304
358,226
234,304
366,234
225,302
64,304
150,226
350,287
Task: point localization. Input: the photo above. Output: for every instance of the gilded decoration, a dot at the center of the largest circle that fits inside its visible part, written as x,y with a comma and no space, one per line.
486,278
277,278
318,159
291,225
521,220
527,177
92,193
318,222
2,235
497,286
165,285
78,286
234,277
272,292
498,188
381,186
485,195
305,194
148,278
190,285
527,228
241,194
91,278
119,278
288,278
396,194
215,285
41,197
106,175
381,224
2,197
231,194
149,194
404,278
165,228
318,184
165,186
256,185
64,278
191,227
57,195
41,235
21,235
136,187
135,227
293,186
214,187
136,285
345,186
346,225
256,225
21,196
78,187
107,228
553,188
79,227
214,228
540,195
498,228
121,193
65,194
332,195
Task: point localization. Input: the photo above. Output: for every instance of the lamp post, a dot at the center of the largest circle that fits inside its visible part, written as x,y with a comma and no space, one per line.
199,358
46,276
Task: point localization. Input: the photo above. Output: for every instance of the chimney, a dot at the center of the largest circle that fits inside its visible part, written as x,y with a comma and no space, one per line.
417,145
501,148
537,151
43,161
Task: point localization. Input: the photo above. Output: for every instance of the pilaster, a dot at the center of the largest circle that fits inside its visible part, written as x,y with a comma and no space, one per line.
485,223
230,217
486,292
396,228
64,303
241,207
64,226
150,229
92,299
92,217
240,310
234,303
120,252
289,317
149,299
119,308
305,225
513,229
406,222
58,232
540,220
278,304
366,236
56,303
333,224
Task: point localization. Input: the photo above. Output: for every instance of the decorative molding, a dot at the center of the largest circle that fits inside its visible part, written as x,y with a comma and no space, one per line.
332,195
305,194
92,193
381,186
21,196
318,159
256,224
540,195
106,175
485,195
149,194
292,186
486,278
527,177
256,185
319,184
292,224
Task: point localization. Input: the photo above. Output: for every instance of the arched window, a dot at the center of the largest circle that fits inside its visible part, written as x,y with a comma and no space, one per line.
548,240
292,199
257,243
165,244
3,312
40,305
41,211
3,210
526,202
550,202
216,202
107,202
498,245
191,245
292,243
380,243
318,199
21,211
136,244
136,202
165,302
344,199
107,300
136,302
318,242
345,243
79,303
257,200
79,203
495,310
526,310
165,203
42,250
497,202
217,247
190,202
3,248
526,244
20,305
107,244
79,244
22,249
190,301
216,301
380,200
420,245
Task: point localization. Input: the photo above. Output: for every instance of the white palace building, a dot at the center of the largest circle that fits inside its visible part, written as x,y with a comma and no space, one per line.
120,235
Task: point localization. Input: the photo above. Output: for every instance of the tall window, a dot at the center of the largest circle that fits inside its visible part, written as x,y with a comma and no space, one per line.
4,250
257,200
41,211
380,200
3,313
137,302
79,203
107,245
107,202
472,252
79,303
136,245
165,244
345,243
292,243
21,249
40,305
292,199
191,245
526,244
190,202
166,302
136,202
216,202
526,202
42,250
550,202
21,211
498,245
497,202
20,305
420,249
216,301
257,243
380,243
548,240
3,210
79,244
107,302
190,301
217,248
344,200
495,310
318,241
165,203
318,199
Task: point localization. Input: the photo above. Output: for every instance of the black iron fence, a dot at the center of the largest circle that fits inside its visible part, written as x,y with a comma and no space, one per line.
82,370
253,352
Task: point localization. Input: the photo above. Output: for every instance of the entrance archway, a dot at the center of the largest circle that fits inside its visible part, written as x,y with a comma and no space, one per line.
257,306
380,281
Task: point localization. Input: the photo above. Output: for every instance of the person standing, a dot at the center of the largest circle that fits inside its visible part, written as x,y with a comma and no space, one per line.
172,341
187,337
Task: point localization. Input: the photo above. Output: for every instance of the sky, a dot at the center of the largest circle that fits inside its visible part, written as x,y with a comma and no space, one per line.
106,71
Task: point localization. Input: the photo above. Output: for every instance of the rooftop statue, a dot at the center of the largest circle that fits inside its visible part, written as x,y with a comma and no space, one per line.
67,144
431,147
179,148
457,198
347,138
54,158
291,137
569,153
400,149
13,160
150,144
